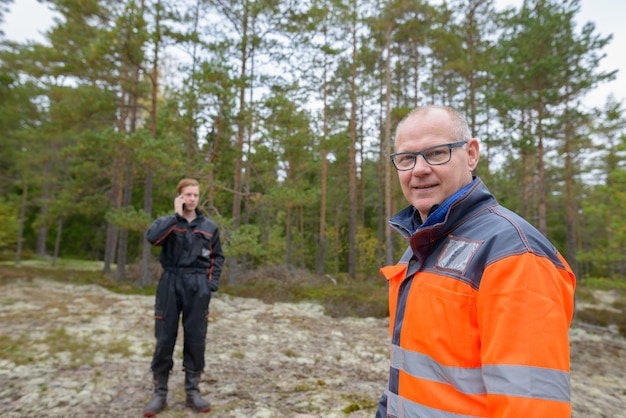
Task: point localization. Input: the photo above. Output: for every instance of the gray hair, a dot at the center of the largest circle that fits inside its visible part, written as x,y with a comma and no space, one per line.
460,127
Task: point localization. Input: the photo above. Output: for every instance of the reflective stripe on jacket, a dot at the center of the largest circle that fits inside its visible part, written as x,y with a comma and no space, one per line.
480,306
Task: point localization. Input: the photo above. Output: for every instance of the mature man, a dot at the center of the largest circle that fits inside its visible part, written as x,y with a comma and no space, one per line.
481,302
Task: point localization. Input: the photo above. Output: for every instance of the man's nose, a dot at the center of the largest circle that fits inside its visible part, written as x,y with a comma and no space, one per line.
421,165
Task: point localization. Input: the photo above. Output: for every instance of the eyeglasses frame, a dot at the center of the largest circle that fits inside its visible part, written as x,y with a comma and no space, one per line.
416,154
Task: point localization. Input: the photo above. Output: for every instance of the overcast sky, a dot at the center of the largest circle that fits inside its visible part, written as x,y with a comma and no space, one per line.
27,19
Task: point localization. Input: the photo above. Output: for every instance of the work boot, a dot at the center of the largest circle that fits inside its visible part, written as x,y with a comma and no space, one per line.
194,400
159,396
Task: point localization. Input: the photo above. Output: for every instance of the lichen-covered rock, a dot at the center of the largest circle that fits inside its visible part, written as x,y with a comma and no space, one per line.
75,351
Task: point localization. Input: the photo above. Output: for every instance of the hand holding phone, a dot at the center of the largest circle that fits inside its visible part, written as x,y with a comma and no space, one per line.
179,204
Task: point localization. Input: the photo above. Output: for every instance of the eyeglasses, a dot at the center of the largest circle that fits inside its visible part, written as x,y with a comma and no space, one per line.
437,155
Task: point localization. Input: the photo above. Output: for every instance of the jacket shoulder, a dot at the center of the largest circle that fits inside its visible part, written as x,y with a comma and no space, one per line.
206,224
510,234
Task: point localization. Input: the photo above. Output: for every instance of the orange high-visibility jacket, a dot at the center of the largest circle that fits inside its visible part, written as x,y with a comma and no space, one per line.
480,306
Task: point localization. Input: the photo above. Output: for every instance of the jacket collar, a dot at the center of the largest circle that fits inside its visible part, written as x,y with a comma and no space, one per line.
447,216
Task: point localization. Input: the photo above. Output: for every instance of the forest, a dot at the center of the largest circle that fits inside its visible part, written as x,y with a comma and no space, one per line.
285,112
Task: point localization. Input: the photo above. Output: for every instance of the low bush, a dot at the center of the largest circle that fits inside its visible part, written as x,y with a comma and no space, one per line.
340,296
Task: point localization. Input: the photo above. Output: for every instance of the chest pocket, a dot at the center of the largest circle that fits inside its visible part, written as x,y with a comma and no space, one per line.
441,320
202,246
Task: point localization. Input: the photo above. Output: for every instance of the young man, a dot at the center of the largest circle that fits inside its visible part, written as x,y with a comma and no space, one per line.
192,260
481,302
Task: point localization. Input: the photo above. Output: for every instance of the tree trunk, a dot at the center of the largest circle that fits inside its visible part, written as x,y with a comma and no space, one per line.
337,237
321,247
352,250
386,150
116,183
322,233
109,247
122,249
541,182
146,251
241,121
570,211
289,210
42,231
127,194
147,201
20,223
527,172
57,241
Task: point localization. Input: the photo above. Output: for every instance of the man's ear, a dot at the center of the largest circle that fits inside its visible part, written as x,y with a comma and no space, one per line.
473,154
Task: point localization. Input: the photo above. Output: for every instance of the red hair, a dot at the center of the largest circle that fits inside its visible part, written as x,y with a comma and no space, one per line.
186,183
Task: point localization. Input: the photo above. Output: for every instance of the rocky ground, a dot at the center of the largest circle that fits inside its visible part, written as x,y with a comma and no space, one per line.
73,351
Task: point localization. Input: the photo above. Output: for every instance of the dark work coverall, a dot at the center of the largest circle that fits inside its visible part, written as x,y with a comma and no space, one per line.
192,260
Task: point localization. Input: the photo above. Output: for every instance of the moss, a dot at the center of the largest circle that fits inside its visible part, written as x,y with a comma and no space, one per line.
15,349
304,387
63,348
357,403
290,353
238,355
120,347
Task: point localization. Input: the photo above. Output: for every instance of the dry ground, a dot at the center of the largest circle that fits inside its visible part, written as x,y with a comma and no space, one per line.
70,351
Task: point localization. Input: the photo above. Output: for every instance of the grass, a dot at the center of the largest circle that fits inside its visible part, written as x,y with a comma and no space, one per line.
340,297
63,348
613,314
603,283
78,272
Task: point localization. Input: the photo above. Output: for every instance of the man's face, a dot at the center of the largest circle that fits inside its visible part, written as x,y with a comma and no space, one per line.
190,195
426,185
